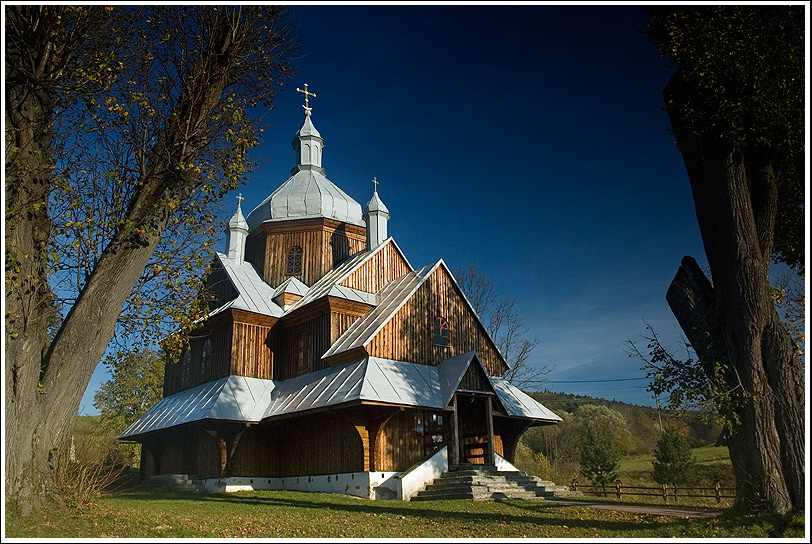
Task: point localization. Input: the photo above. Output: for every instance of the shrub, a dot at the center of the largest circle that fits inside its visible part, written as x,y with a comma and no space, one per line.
599,457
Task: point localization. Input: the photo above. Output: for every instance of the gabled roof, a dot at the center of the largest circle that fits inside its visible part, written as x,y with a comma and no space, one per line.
374,379
233,398
291,285
328,285
253,294
390,299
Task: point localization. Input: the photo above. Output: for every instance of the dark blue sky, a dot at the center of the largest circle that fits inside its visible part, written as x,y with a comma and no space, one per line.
527,140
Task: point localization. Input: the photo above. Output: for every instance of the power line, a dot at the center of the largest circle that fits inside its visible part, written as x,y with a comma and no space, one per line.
588,381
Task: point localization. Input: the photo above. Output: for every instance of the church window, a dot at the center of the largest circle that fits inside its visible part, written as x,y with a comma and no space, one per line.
303,353
294,262
185,368
205,359
442,331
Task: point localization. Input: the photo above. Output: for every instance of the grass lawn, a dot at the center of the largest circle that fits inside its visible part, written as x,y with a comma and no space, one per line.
288,514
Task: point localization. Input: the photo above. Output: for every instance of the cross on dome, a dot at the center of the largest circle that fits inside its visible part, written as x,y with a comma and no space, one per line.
239,200
375,181
307,94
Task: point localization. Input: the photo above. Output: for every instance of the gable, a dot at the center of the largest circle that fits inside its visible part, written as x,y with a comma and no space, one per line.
382,267
408,335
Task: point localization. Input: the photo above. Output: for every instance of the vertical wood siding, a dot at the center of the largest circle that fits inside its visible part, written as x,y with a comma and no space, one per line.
323,444
250,351
409,335
399,445
319,333
385,266
221,361
324,244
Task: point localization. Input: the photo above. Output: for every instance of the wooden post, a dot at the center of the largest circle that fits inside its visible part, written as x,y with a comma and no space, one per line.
489,416
456,432
574,484
718,487
618,485
665,492
675,492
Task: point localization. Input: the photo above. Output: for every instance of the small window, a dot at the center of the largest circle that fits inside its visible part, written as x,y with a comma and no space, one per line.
303,353
205,360
442,332
185,368
294,263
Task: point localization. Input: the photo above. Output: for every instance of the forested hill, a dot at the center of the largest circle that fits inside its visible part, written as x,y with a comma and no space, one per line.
642,421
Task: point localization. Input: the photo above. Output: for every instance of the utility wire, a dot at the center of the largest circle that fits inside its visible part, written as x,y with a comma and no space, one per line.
587,381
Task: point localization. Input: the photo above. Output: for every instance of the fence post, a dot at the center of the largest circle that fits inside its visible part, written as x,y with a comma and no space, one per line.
574,484
718,488
603,487
665,493
618,485
675,492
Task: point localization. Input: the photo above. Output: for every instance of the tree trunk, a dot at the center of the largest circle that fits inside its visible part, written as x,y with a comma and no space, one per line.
44,389
735,206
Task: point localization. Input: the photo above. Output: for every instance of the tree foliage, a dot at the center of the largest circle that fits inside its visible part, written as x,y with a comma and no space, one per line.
123,126
745,67
504,325
135,384
673,459
599,457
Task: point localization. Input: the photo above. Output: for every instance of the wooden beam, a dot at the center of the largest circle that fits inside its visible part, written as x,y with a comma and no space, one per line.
489,418
456,423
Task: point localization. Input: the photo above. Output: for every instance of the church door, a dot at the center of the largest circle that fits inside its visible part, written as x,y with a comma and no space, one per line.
474,428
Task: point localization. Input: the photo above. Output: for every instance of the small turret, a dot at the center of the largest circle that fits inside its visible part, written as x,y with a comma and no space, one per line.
375,216
237,233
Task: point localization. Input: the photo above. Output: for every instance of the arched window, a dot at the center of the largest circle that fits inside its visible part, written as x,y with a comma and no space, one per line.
442,331
294,263
303,353
185,368
205,360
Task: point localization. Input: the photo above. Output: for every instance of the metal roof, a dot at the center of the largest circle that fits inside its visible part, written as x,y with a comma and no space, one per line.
390,299
238,398
254,295
291,285
233,398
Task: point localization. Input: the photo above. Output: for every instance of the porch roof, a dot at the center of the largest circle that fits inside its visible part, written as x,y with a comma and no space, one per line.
237,398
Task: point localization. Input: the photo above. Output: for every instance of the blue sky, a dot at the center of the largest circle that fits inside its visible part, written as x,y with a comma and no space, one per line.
528,140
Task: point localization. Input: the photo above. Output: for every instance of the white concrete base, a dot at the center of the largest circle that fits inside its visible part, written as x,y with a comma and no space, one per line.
360,484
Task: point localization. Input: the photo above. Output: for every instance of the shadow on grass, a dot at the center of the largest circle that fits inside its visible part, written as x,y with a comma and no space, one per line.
539,513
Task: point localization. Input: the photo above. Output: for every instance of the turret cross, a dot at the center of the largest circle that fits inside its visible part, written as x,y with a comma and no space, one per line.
307,94
375,181
239,200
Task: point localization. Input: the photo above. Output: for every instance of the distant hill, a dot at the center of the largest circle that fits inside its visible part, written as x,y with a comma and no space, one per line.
643,421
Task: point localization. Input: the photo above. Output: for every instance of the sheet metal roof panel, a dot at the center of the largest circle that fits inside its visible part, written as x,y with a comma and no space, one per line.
234,398
291,285
401,383
390,299
450,372
518,403
254,295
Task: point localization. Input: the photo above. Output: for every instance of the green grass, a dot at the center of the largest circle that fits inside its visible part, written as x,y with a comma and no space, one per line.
703,456
287,514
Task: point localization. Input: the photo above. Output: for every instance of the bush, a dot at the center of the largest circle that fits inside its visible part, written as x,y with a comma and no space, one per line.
531,462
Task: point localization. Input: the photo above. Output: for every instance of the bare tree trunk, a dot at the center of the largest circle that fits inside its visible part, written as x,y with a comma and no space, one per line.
735,207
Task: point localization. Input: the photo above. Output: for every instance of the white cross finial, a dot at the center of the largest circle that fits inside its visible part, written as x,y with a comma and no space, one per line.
307,94
239,199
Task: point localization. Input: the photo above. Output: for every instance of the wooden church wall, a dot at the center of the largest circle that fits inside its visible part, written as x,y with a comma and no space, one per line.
257,453
305,341
383,267
221,361
400,444
324,244
320,444
409,335
250,353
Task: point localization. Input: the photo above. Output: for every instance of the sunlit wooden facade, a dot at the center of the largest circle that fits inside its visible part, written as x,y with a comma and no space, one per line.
287,294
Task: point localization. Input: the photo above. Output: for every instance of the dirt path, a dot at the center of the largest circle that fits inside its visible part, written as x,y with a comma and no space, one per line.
639,508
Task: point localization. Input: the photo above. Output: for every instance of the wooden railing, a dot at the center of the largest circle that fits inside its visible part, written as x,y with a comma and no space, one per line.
676,492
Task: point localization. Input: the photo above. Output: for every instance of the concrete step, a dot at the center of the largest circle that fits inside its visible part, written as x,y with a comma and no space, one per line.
481,482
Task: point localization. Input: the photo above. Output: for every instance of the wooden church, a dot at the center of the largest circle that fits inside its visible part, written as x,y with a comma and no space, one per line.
328,362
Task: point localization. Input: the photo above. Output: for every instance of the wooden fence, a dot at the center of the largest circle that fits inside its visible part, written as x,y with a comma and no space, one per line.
717,491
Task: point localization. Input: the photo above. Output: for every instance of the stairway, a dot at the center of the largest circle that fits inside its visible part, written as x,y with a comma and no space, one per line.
485,482
176,482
